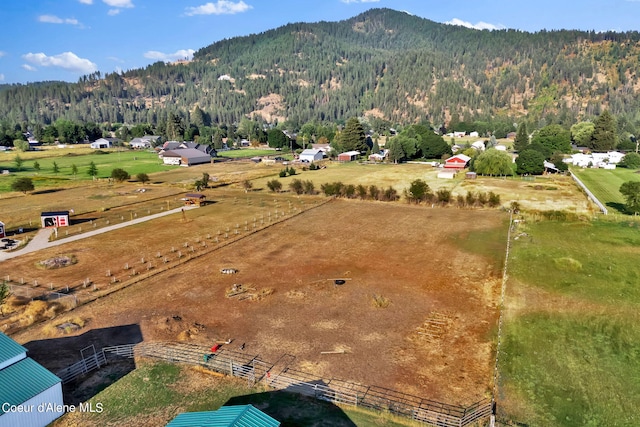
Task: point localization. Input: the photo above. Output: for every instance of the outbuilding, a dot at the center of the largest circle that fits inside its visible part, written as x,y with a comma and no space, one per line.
197,199
227,416
185,157
30,395
459,161
348,156
54,219
310,155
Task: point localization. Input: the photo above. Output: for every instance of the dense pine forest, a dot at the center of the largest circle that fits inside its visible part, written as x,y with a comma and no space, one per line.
384,64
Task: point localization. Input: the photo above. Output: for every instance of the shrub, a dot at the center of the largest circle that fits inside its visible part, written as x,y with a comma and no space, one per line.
494,199
362,191
283,173
308,187
296,186
374,192
443,196
120,174
274,185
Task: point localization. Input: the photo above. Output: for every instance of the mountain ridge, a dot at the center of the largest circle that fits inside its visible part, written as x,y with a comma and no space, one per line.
382,62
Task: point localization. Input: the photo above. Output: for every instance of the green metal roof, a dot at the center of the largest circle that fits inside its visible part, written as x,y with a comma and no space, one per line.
227,416
9,348
23,380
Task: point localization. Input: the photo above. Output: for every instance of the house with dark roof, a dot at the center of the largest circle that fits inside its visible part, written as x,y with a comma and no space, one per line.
227,416
30,395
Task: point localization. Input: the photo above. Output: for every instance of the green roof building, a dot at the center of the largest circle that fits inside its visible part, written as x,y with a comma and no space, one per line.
30,395
227,416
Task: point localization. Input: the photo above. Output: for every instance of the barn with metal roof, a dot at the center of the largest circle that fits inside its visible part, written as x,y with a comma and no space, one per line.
227,416
30,395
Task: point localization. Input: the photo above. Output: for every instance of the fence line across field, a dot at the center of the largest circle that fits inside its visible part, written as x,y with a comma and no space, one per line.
255,370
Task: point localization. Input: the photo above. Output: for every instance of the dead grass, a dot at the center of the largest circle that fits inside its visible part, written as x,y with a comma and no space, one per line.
380,301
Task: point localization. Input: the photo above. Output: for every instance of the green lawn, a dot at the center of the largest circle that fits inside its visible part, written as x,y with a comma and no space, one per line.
571,345
133,162
156,392
605,184
249,152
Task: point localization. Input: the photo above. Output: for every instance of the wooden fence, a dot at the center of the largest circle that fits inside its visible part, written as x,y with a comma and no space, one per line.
251,368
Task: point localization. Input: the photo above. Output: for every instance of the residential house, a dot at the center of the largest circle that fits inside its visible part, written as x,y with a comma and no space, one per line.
325,148
139,143
30,395
380,156
478,145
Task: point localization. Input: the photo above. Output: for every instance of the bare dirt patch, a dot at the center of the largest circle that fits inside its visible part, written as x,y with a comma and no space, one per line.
407,254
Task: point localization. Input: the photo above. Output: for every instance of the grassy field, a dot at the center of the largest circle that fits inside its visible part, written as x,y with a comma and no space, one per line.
605,184
249,152
571,342
133,162
155,393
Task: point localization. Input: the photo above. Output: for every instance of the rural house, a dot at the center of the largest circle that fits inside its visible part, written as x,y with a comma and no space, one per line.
310,155
139,143
30,395
459,161
185,157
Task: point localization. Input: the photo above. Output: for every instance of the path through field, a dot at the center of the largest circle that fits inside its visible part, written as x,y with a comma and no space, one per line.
41,240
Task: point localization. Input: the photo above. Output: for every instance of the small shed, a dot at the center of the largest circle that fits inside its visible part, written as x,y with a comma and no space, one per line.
2,231
194,199
30,395
471,175
459,161
348,156
227,416
54,219
310,155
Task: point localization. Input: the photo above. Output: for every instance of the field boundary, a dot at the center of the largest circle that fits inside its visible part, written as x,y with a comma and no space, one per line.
254,370
590,195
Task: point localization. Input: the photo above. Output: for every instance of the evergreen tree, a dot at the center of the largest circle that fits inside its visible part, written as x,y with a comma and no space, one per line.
604,132
93,170
522,138
353,137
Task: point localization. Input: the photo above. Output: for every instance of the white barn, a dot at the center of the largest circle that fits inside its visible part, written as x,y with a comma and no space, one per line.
101,143
30,395
310,155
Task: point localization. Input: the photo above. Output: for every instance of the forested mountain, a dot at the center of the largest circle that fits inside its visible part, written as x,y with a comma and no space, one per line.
385,63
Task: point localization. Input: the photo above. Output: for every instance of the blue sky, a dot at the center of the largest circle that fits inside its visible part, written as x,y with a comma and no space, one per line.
65,39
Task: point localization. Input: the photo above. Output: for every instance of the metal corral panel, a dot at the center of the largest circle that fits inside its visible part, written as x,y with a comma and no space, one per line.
10,351
227,416
24,380
43,408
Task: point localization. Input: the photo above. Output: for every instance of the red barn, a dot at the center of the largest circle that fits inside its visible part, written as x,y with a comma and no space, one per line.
459,161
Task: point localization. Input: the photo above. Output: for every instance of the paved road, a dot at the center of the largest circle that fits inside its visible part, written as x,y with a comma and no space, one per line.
41,240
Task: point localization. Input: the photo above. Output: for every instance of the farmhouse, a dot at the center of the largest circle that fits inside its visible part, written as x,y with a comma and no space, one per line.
227,416
139,143
310,155
459,161
54,219
325,148
348,156
478,145
30,395
378,157
185,157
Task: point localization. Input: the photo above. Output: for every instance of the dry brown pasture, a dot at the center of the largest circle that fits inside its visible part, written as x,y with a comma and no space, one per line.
430,265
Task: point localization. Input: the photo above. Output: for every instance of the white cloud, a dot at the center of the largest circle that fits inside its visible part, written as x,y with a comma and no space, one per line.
359,1
2,53
113,12
53,19
115,59
221,7
1,77
68,61
119,3
169,57
29,67
479,26
86,1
